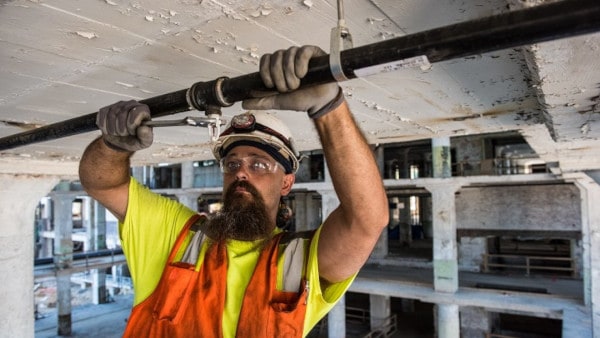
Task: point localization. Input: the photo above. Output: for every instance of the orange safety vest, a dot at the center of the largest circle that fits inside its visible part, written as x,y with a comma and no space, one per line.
189,303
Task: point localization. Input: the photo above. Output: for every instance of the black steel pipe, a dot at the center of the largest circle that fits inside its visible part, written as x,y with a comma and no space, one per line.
542,23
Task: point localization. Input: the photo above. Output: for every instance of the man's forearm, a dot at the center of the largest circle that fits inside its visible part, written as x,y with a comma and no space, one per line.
350,232
351,163
104,174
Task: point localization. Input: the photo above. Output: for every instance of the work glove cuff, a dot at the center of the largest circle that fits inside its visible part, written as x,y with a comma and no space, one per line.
328,107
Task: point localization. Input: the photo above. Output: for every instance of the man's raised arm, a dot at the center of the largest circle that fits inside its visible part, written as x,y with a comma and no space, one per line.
104,166
351,231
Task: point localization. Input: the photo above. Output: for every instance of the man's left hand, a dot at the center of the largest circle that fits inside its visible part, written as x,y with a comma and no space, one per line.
283,71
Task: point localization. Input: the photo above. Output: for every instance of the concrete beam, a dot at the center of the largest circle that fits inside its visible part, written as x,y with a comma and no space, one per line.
537,305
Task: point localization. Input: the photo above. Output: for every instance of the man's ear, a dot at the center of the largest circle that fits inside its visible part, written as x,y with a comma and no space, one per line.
288,182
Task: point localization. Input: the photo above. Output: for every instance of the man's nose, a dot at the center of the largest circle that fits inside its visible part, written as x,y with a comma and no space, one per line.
242,174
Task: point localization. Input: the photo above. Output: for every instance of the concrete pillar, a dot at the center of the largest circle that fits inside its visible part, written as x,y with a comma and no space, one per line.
380,308
447,321
99,293
336,320
474,322
139,173
189,199
87,221
99,226
329,202
187,175
63,258
46,216
442,162
313,211
19,196
380,160
301,210
445,256
590,238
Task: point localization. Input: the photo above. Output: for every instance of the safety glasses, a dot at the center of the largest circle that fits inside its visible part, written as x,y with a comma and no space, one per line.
255,165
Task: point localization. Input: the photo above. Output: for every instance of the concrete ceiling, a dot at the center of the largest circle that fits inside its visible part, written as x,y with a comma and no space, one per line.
61,59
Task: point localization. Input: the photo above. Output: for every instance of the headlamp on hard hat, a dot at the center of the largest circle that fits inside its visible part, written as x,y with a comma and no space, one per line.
261,130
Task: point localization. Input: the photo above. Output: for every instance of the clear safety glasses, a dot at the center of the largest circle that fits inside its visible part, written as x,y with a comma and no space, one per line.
255,165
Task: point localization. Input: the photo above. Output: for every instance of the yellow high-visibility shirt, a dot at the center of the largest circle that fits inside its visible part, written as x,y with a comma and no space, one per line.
148,233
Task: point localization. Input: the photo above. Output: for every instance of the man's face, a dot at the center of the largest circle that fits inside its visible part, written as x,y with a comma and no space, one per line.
251,195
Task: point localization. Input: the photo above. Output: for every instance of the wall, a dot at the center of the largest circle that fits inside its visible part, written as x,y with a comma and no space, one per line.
552,207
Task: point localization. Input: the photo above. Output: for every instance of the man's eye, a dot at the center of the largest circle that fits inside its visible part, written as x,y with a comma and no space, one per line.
261,165
232,165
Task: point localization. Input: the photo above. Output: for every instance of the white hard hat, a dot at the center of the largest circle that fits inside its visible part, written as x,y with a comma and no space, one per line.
264,131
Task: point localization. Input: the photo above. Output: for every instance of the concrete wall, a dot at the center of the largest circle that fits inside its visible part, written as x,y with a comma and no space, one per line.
533,207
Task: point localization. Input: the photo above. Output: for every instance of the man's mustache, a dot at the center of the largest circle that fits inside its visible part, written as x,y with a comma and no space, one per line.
244,185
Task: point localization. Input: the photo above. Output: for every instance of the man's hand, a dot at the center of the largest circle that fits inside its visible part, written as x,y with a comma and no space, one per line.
283,71
121,125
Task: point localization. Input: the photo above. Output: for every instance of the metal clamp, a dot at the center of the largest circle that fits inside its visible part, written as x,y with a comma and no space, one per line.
340,39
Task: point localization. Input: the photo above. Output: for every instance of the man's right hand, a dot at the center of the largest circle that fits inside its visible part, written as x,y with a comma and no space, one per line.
121,125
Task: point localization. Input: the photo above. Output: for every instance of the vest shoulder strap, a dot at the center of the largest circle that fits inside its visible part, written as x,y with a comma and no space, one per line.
192,251
294,257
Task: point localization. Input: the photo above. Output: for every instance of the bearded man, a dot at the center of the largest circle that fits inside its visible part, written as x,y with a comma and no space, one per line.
237,274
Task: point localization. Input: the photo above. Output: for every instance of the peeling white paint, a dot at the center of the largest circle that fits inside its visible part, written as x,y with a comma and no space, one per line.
87,35
128,85
585,128
65,65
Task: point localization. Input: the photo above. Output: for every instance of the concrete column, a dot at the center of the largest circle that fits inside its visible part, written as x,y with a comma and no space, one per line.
380,308
19,196
336,320
380,160
329,202
139,173
301,211
447,321
442,162
87,221
46,215
63,258
445,256
313,211
99,293
189,199
187,175
590,238
99,226
381,247
474,322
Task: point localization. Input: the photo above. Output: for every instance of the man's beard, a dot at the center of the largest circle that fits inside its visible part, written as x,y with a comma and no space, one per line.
242,218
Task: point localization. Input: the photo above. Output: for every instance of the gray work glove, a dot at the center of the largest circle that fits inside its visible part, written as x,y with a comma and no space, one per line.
121,125
283,71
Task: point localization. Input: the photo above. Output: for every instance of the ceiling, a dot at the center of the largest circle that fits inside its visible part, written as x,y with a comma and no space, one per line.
61,59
